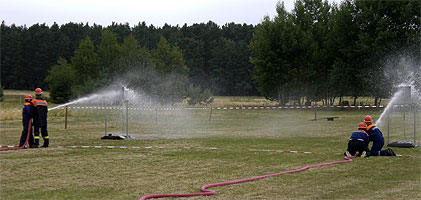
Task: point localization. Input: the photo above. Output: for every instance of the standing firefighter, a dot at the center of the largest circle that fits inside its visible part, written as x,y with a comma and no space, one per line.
377,137
40,118
27,115
358,142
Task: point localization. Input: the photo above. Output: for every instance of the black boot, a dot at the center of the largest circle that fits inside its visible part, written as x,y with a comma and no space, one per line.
46,143
390,152
36,143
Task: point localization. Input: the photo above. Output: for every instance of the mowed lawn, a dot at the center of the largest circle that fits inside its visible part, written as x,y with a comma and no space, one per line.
191,151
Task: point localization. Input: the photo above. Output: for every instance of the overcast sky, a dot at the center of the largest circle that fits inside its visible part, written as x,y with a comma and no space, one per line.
156,12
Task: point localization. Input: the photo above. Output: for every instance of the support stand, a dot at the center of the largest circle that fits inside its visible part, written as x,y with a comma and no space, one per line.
403,144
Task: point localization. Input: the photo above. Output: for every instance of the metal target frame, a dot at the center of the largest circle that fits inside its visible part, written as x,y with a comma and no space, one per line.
408,107
124,120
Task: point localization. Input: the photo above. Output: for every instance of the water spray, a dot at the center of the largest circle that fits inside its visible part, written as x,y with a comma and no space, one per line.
396,99
403,71
96,97
80,100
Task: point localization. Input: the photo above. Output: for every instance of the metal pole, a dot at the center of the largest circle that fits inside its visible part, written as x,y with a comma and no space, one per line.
122,111
65,119
105,111
127,119
315,112
122,118
156,115
210,114
404,123
415,126
388,125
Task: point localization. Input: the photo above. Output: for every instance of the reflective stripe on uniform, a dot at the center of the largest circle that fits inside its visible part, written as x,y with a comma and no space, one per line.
369,126
46,137
41,104
357,139
36,137
38,102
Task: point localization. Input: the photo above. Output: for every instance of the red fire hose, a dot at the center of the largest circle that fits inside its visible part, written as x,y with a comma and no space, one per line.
207,192
26,141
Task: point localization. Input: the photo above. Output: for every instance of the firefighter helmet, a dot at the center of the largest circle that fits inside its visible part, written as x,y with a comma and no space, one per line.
368,119
28,97
38,91
362,126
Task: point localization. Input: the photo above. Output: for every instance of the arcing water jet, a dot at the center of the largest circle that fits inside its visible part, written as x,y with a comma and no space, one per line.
109,95
396,98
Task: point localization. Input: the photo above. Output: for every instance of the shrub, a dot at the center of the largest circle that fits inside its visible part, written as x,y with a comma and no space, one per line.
196,96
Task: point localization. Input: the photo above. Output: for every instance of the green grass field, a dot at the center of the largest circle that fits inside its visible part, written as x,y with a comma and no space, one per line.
195,152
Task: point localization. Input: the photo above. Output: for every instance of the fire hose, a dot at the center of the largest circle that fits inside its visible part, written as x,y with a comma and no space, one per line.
26,141
206,192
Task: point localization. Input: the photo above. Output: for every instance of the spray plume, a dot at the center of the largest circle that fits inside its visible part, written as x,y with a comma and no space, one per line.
403,72
110,95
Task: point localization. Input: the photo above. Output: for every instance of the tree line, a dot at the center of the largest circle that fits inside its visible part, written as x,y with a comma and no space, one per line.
318,51
217,57
323,52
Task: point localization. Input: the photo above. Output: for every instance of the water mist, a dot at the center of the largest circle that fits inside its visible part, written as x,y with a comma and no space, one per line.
404,73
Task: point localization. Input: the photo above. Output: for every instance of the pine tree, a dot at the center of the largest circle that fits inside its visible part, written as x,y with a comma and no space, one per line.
85,64
60,80
108,51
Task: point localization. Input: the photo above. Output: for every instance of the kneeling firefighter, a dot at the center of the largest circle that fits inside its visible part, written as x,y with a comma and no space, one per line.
358,142
377,137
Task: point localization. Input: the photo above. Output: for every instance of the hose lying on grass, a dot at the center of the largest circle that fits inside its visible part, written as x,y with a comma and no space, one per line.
26,141
206,192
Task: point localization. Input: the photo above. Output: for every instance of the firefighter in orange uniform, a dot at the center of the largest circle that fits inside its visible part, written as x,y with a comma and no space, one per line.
40,119
376,136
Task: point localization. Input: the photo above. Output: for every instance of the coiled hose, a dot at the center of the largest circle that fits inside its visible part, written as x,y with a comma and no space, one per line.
26,141
206,192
